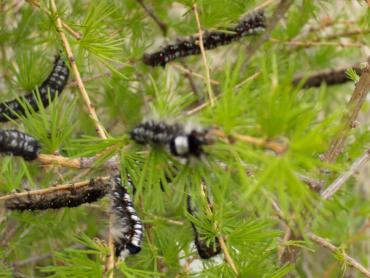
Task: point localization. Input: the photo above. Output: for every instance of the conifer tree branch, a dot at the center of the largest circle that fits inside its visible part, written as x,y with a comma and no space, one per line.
69,29
274,146
81,86
150,12
349,260
76,163
340,181
354,106
204,57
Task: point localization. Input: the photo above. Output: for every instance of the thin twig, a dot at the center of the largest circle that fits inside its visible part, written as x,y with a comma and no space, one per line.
349,260
55,188
340,181
81,86
75,34
204,57
228,258
225,250
348,120
317,43
274,146
92,78
76,163
150,12
192,73
279,13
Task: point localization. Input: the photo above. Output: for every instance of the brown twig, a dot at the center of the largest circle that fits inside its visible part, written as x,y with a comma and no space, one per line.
349,260
55,188
317,43
192,73
340,181
150,12
225,250
204,57
348,120
274,146
75,34
76,163
81,86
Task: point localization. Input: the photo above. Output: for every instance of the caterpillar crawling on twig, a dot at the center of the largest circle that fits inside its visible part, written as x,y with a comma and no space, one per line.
127,229
55,199
181,140
251,24
17,143
53,85
206,250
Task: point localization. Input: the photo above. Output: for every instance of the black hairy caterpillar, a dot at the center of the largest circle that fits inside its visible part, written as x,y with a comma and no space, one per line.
18,143
72,197
54,84
182,141
127,229
205,250
249,25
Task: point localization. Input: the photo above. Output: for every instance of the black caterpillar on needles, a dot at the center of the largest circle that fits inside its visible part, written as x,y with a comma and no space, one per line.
72,197
54,84
127,229
18,143
205,250
181,140
251,24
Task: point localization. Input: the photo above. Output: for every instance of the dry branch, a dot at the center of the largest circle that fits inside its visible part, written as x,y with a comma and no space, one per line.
349,260
81,86
204,57
340,181
347,122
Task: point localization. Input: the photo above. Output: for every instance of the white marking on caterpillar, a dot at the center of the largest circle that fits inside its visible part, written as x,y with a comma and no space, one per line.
183,141
127,228
18,143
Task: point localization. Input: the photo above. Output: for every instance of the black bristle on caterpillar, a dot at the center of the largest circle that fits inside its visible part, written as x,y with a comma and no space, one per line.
182,141
127,229
73,197
205,250
53,85
17,143
251,24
